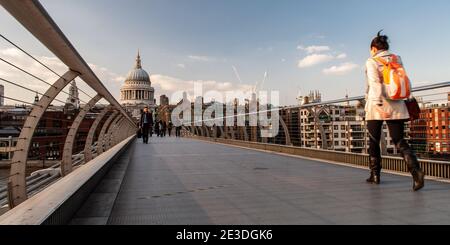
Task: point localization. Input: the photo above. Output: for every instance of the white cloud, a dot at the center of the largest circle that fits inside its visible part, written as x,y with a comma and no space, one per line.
163,84
316,36
314,59
18,58
341,56
182,66
111,80
342,69
314,49
200,58
119,79
173,87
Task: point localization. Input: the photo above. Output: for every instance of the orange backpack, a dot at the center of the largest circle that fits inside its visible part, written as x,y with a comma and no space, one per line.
396,82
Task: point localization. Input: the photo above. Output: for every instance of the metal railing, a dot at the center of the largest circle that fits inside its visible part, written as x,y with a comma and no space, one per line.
331,131
112,124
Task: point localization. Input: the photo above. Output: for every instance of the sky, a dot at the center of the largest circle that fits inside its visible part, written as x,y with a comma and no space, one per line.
231,44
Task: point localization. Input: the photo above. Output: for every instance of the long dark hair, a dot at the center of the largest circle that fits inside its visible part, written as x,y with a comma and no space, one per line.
381,42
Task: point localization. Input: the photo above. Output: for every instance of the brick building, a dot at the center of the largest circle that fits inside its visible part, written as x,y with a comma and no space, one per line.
49,137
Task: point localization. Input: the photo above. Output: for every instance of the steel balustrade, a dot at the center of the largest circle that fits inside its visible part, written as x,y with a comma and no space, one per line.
438,169
37,21
103,133
90,138
18,191
66,164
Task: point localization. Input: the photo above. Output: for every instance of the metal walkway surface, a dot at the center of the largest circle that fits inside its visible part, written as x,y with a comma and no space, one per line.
189,182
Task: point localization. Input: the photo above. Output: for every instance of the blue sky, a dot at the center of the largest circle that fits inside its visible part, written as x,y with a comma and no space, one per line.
189,40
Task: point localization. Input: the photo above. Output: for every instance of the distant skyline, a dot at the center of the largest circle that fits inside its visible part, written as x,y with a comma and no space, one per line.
231,44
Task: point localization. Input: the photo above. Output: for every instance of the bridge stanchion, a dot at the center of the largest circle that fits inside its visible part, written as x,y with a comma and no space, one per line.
263,139
226,133
113,132
286,132
202,131
244,129
206,129
116,133
130,131
254,133
90,138
102,136
233,134
109,134
222,133
19,161
66,164
121,132
195,129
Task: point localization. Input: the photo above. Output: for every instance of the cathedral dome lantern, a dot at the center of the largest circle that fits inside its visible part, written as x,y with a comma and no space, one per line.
138,74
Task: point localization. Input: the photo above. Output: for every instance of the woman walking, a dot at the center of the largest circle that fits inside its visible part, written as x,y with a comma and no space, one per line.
380,108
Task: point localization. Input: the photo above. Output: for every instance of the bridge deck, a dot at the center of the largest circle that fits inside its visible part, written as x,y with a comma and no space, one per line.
183,181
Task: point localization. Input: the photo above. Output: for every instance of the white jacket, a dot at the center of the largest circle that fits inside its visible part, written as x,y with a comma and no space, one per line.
376,95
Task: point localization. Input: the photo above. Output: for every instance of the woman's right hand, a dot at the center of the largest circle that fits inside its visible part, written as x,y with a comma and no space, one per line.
385,115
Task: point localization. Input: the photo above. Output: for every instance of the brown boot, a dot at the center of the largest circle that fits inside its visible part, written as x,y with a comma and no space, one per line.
375,170
413,165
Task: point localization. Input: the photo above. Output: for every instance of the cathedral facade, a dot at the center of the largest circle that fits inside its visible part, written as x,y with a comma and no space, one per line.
137,91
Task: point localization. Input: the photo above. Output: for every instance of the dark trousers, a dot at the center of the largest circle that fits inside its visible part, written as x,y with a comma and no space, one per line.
396,130
178,131
145,131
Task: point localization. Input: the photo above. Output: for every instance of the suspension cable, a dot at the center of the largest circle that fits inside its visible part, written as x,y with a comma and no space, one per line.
17,100
34,91
35,59
36,77
29,55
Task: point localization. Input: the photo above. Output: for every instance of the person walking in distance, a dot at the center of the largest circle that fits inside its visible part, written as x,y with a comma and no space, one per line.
384,106
170,128
157,129
146,123
178,131
163,128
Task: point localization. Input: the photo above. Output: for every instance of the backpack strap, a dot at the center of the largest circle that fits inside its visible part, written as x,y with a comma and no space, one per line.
385,64
381,61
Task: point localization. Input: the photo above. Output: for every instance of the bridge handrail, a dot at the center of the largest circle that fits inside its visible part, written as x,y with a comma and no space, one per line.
50,204
32,15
